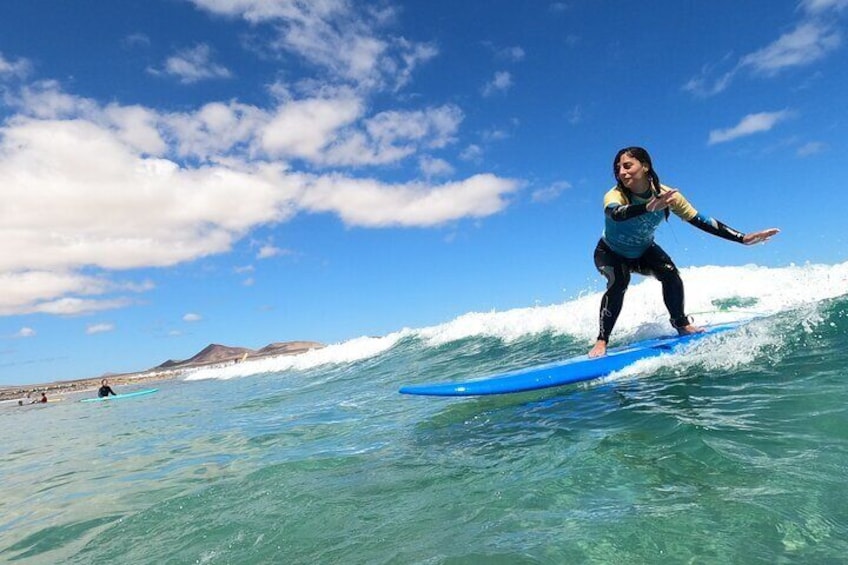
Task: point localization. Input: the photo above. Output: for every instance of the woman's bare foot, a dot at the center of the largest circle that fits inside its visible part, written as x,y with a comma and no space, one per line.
690,329
599,350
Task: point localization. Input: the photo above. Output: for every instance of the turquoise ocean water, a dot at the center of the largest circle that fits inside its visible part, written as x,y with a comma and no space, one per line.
733,452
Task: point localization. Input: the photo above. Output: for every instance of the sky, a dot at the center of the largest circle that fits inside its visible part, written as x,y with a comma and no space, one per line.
176,173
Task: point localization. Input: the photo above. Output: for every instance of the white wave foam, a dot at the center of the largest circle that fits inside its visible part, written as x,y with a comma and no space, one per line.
772,289
767,290
731,351
346,352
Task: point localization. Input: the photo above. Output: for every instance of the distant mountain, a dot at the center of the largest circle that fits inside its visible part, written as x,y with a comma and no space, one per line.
215,353
288,348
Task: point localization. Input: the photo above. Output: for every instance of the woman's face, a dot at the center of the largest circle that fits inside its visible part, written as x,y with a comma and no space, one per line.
632,174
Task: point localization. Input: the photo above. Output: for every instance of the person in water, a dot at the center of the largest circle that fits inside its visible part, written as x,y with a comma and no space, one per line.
105,389
634,208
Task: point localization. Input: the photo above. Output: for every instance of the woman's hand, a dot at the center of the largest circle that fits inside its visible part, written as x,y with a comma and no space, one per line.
759,236
662,201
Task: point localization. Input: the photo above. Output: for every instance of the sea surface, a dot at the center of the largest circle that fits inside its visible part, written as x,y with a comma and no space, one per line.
734,451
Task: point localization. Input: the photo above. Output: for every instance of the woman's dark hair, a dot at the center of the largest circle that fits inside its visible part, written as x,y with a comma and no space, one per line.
641,155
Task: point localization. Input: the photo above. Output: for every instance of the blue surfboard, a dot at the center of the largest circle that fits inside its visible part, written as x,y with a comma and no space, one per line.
121,396
567,371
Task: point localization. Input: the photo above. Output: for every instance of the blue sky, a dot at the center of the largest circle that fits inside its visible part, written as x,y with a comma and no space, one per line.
181,172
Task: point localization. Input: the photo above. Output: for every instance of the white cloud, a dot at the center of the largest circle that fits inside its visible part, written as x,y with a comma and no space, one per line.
433,167
26,332
391,136
411,55
18,68
94,191
433,127
193,65
550,193
305,128
575,116
705,85
807,43
75,306
45,100
494,134
472,153
136,127
192,317
371,204
811,148
514,53
749,125
501,82
214,130
99,328
256,11
26,291
137,40
815,36
79,193
816,7
269,251
336,36
105,188
83,197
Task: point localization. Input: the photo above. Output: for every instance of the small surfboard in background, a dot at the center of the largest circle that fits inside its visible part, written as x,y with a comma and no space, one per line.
567,371
121,396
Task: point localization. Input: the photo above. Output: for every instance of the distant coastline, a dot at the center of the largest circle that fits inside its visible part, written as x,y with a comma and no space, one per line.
211,356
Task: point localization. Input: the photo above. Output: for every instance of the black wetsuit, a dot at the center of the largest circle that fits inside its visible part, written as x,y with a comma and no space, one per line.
653,263
632,227
105,390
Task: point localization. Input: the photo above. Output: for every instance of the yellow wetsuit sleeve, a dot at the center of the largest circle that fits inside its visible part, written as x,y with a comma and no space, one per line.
680,206
615,196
